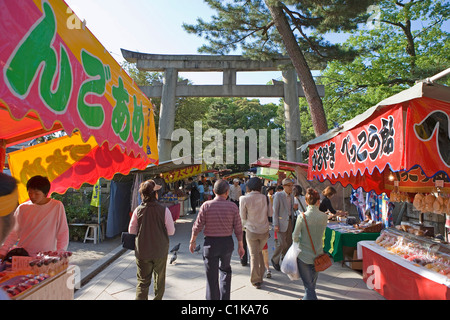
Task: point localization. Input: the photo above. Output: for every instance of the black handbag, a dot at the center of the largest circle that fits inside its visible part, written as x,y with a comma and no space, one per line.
128,241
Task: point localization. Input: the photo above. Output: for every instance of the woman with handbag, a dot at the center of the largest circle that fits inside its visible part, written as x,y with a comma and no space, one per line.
308,233
152,224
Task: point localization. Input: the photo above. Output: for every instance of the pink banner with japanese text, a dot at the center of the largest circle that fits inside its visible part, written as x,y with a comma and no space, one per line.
55,71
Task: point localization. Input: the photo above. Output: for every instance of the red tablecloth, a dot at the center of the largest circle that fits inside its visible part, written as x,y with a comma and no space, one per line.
397,279
175,210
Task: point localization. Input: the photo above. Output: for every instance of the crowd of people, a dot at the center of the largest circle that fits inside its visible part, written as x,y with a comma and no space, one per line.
247,210
249,215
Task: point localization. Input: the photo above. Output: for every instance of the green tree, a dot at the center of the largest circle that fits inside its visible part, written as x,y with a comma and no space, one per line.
407,44
264,29
217,113
245,114
187,111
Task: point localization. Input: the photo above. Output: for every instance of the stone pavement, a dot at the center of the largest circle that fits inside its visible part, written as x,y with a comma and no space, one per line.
185,280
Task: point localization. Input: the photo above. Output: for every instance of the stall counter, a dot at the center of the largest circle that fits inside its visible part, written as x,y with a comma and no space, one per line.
57,287
397,279
174,208
335,239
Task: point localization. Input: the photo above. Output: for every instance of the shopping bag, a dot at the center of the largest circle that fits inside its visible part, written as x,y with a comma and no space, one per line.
289,265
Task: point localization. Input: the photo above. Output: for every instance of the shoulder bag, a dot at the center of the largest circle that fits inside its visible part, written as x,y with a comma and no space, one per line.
323,261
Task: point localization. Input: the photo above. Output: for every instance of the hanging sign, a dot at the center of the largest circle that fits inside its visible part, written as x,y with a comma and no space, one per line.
415,180
57,70
427,136
184,173
68,162
374,143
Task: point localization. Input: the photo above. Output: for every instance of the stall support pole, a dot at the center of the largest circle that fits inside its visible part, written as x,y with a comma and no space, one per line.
400,215
99,212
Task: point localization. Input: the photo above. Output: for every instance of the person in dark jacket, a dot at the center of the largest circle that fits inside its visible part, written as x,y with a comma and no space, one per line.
194,194
326,206
152,224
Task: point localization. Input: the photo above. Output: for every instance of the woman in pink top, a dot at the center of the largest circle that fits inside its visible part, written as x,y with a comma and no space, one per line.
41,223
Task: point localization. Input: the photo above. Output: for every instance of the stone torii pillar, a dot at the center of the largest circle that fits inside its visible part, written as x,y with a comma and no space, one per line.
167,113
292,116
289,89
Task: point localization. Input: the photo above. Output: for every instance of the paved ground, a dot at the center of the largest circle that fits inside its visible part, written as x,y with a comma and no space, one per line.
186,279
86,254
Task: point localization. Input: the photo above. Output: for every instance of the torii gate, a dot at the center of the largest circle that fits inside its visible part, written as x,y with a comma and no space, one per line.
288,89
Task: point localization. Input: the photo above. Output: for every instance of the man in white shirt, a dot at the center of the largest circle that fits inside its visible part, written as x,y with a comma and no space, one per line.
235,194
235,191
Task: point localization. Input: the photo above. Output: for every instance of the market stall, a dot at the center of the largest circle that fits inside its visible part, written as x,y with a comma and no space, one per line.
398,149
57,76
46,276
277,170
404,266
340,238
340,241
175,195
170,174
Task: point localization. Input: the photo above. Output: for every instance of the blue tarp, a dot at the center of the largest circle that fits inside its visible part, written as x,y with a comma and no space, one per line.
119,208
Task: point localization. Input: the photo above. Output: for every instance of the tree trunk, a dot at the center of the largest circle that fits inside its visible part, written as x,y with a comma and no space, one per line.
318,117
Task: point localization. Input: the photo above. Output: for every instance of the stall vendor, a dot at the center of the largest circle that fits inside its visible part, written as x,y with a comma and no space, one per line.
41,223
326,206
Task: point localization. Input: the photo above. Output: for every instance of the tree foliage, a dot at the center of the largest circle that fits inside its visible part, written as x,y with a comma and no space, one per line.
247,26
265,29
215,113
408,44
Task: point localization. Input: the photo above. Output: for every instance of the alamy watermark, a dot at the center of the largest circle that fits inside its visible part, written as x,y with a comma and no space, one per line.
74,277
374,21
373,280
213,152
73,22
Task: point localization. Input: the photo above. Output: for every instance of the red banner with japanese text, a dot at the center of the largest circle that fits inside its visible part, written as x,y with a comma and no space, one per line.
374,143
427,136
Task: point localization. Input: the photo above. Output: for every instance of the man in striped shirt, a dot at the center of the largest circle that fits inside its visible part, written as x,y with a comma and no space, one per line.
218,219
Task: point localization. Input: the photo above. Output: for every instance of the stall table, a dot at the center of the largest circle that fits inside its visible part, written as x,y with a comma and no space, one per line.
185,204
335,241
98,230
398,279
174,209
58,287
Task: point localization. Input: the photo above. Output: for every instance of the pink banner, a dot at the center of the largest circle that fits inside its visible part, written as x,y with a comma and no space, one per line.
61,73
